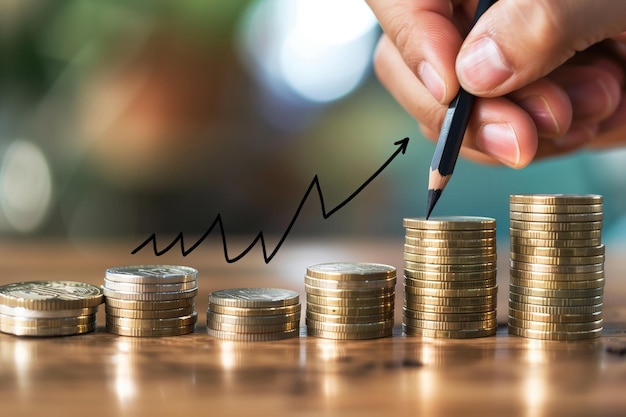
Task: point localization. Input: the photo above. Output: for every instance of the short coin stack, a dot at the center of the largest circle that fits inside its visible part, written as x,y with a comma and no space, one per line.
48,308
150,300
253,314
557,266
450,287
349,301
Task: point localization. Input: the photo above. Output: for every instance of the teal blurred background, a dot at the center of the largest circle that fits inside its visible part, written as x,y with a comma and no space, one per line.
123,118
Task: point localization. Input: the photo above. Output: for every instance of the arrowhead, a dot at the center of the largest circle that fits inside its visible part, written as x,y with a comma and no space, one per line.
404,143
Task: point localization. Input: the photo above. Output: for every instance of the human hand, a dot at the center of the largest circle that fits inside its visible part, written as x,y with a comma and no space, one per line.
549,76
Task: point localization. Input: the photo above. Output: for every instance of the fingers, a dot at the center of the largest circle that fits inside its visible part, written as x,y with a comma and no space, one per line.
517,42
428,41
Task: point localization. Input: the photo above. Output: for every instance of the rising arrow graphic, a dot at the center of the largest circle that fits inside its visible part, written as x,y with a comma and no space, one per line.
315,184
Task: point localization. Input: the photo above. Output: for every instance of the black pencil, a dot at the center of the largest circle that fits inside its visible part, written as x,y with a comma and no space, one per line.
451,135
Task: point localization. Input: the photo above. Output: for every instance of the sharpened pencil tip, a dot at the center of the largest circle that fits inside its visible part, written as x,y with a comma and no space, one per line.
433,197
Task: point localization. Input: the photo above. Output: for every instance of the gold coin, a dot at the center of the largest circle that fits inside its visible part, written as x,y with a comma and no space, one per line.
336,318
149,314
439,267
450,301
50,295
560,269
450,243
252,320
449,334
131,287
449,285
350,285
556,302
253,337
450,260
557,260
556,226
157,332
555,318
430,308
152,274
48,331
546,309
351,311
343,293
348,335
455,317
555,243
558,252
149,305
182,321
558,293
349,328
350,301
451,235
557,276
561,336
555,235
450,223
351,271
255,311
45,323
556,217
449,325
461,293
254,297
557,285
556,208
248,328
451,276
46,314
435,251
148,296
558,199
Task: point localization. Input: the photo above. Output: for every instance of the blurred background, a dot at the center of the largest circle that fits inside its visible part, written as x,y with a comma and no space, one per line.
123,118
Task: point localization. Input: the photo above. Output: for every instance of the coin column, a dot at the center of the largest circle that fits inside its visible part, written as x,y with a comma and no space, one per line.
450,287
350,300
557,266
150,300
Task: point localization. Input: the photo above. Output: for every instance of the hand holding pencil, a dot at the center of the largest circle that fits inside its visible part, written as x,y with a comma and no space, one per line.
544,87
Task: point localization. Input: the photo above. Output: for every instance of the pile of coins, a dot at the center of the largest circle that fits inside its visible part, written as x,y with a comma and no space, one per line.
350,300
253,314
150,300
450,287
557,266
49,308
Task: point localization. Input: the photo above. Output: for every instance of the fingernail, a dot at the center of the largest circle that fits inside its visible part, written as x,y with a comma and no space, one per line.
589,98
480,66
577,136
500,141
432,81
541,112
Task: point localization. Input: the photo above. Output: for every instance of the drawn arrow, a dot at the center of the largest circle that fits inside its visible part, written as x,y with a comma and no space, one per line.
315,184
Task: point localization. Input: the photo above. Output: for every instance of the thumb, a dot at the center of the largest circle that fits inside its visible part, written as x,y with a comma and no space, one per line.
519,41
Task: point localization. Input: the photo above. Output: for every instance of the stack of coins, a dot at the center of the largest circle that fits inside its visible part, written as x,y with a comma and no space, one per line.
48,308
350,300
253,314
557,266
450,287
150,300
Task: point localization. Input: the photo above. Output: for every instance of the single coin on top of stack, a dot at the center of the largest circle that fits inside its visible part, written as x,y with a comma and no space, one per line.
150,300
557,266
350,300
450,287
253,314
48,308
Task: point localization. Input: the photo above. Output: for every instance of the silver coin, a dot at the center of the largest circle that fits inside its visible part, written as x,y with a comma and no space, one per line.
151,274
254,297
50,295
351,271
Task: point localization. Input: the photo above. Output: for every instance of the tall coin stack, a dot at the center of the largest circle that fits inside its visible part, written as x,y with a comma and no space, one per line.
350,301
253,314
48,308
450,287
150,300
557,266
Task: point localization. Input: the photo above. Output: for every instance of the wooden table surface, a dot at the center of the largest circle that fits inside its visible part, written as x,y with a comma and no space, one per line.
104,374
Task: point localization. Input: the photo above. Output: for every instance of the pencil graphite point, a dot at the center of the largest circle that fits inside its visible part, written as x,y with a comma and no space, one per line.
433,197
